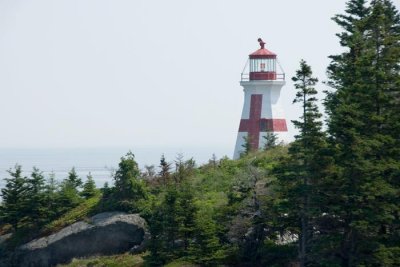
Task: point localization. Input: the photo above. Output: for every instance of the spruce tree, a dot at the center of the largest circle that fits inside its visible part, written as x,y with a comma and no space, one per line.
302,173
186,215
246,146
52,197
74,179
15,198
213,161
106,190
165,171
206,248
69,196
171,222
89,187
37,210
157,248
128,188
271,140
364,128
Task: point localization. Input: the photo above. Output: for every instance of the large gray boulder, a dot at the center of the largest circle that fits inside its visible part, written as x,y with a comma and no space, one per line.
103,234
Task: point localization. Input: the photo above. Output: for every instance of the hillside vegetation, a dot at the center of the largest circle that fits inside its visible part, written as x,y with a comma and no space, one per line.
123,260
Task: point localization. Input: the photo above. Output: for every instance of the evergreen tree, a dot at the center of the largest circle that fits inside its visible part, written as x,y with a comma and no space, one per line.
186,215
128,188
157,246
14,196
165,170
271,140
213,161
52,197
74,179
206,248
246,146
172,225
171,222
37,210
106,190
302,174
89,187
51,186
69,196
364,128
164,229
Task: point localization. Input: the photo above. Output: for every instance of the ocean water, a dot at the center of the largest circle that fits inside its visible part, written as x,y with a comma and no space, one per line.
100,162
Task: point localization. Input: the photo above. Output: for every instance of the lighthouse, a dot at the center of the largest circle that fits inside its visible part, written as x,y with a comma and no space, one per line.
262,109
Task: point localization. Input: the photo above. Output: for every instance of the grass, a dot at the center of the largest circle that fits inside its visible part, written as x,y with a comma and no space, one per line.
121,260
78,213
180,263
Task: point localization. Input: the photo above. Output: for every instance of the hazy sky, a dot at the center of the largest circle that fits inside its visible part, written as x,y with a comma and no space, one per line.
96,73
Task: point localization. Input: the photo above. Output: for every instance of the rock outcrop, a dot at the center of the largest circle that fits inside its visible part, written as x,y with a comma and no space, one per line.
4,253
103,234
4,238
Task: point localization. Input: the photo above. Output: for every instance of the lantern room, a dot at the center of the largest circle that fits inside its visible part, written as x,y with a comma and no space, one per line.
262,65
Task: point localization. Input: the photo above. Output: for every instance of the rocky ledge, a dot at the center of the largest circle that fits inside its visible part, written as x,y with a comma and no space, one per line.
103,234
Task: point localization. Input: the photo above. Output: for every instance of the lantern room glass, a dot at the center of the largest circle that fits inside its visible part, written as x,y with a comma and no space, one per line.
263,65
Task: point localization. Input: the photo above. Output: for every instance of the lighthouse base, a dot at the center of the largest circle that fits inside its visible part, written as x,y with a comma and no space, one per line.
242,137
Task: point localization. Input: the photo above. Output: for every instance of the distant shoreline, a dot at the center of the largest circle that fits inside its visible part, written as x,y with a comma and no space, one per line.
100,162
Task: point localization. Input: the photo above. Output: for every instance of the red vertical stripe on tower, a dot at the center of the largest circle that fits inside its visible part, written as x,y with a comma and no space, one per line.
252,125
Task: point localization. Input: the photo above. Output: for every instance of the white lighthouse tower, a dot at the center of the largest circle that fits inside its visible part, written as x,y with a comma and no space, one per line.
262,109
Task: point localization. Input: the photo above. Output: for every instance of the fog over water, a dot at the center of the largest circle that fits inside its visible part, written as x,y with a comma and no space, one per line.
100,162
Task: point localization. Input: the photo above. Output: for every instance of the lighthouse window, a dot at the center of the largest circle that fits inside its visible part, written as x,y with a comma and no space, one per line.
263,65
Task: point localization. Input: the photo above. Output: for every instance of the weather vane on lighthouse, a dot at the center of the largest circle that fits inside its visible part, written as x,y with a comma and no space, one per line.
262,43
262,110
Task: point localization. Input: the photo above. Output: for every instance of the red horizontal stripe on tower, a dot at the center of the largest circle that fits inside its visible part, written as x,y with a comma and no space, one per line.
266,125
273,125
